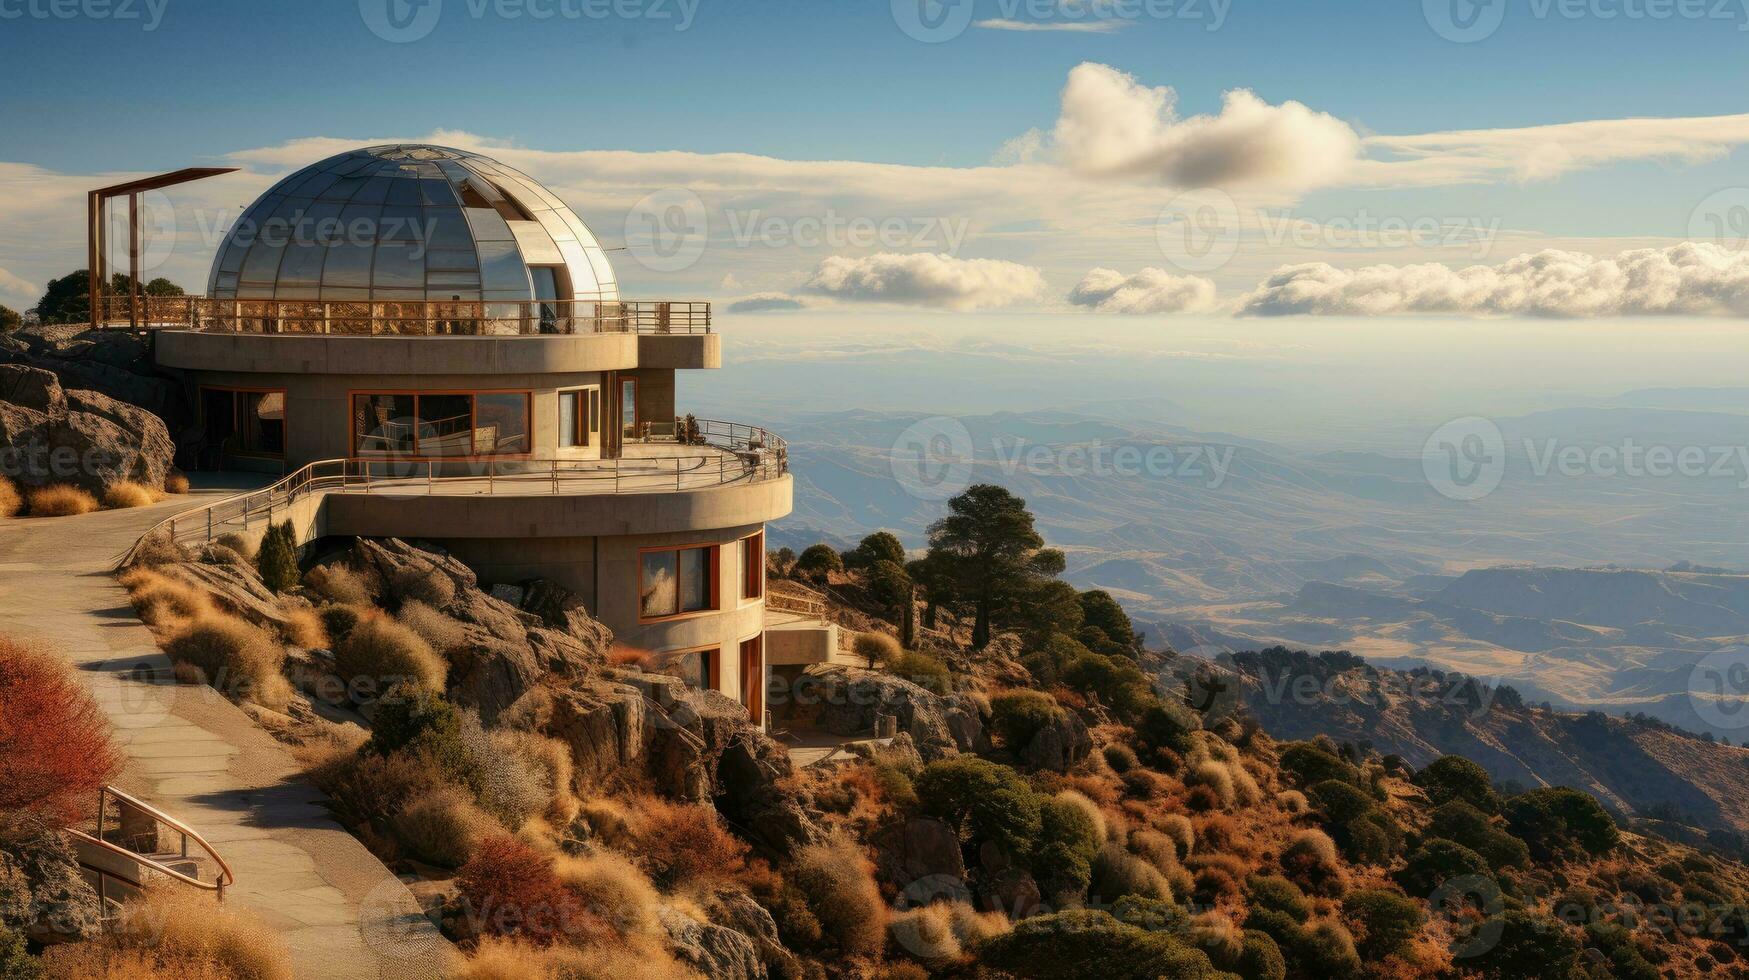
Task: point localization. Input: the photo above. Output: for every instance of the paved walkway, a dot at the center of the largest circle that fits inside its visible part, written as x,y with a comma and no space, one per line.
199,758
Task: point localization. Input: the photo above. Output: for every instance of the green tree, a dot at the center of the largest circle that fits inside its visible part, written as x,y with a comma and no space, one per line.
1100,611
983,800
785,559
1552,820
1436,862
1053,607
817,561
935,579
16,963
1382,922
877,547
996,555
1018,715
68,299
277,558
1453,777
1526,944
889,585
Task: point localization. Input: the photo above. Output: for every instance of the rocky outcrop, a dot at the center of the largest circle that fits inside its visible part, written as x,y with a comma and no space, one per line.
507,650
49,434
715,951
43,894
849,701
918,849
114,363
1059,745
753,790
738,911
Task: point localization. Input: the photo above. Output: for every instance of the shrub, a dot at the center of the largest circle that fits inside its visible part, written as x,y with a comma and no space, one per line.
1453,777
1310,861
1071,831
1089,943
1526,944
1325,949
1116,680
175,935
496,958
55,747
155,549
1310,765
126,493
160,600
512,890
611,889
1260,958
443,826
10,500
1382,922
817,561
237,543
1461,822
876,649
512,786
338,620
337,583
551,759
926,933
443,633
423,583
304,628
683,845
1551,820
238,659
1019,715
368,788
1437,861
1121,758
277,558
1277,894
1117,874
60,500
419,721
983,800
176,483
841,893
16,963
1340,801
923,670
389,653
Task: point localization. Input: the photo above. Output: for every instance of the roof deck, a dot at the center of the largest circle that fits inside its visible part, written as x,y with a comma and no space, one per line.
452,318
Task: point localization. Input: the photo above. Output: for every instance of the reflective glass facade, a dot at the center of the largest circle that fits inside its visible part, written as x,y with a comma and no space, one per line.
410,223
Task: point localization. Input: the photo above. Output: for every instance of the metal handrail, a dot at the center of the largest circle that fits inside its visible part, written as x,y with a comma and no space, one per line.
745,454
225,878
418,318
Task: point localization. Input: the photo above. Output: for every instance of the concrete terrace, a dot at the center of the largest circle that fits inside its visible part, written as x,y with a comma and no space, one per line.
203,760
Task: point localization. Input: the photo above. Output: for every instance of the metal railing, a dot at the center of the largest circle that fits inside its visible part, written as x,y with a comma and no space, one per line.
451,318
806,603
743,454
224,878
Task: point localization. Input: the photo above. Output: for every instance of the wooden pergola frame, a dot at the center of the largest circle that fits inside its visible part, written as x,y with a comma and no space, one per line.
97,203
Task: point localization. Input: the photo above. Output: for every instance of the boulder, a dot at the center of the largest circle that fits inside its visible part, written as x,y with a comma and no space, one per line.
115,363
918,848
754,791
43,894
738,911
1059,745
715,951
51,435
848,700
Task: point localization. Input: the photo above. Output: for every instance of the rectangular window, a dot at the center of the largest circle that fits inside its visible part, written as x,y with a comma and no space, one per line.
577,423
244,423
628,406
753,678
673,581
440,425
698,668
753,566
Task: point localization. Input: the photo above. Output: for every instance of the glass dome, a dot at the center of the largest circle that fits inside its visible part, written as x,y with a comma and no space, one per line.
410,223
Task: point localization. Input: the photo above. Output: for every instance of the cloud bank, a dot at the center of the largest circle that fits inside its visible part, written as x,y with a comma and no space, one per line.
925,279
1700,279
765,303
1148,291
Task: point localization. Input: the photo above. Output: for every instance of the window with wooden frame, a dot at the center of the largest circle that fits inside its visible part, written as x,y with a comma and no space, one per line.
677,581
441,424
628,406
701,669
753,677
245,421
753,566
579,417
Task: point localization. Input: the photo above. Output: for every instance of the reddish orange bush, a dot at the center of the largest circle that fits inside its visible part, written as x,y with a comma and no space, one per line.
681,844
55,749
512,890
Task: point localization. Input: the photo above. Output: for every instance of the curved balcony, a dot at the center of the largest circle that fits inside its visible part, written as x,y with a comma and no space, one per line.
455,318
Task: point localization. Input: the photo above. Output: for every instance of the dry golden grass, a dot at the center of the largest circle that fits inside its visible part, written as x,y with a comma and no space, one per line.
842,894
442,826
120,496
612,890
238,659
388,651
337,583
444,633
304,628
176,483
552,759
503,959
10,501
178,936
162,601
60,500
237,543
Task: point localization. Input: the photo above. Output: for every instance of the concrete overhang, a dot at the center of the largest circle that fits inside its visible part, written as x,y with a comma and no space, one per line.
329,354
680,351
411,514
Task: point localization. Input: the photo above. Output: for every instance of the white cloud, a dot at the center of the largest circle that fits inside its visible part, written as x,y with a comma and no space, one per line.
1111,124
765,303
18,292
1148,291
925,279
1062,26
1697,279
